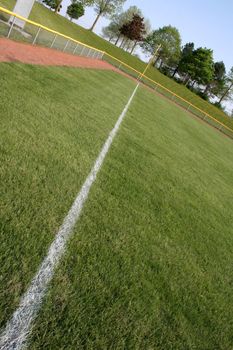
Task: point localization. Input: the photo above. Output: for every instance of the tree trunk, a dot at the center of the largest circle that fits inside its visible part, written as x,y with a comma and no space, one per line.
128,47
117,40
125,43
225,93
207,89
175,71
193,83
133,48
186,80
156,60
122,43
58,6
95,21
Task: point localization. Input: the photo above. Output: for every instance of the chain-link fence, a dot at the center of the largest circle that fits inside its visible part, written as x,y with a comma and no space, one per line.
35,33
158,88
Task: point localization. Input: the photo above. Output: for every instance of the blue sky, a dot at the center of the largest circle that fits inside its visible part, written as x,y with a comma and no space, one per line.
207,23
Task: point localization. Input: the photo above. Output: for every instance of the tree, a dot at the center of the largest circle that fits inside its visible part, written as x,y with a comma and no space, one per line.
144,33
198,66
118,20
216,85
54,4
169,39
185,59
106,8
134,30
228,87
111,31
203,66
75,10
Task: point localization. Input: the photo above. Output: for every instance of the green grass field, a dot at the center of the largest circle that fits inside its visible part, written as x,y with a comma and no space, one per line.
53,124
150,263
42,15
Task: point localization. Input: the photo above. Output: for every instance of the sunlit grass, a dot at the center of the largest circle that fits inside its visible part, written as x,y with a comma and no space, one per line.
53,123
150,263
42,15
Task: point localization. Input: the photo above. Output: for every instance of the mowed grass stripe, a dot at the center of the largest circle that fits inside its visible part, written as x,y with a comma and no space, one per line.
54,122
150,265
19,326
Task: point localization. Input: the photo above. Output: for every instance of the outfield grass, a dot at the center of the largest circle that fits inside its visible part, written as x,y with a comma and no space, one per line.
150,263
46,17
53,123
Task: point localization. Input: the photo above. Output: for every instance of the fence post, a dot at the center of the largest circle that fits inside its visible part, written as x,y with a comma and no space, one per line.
82,51
38,31
66,45
188,107
75,49
54,39
11,27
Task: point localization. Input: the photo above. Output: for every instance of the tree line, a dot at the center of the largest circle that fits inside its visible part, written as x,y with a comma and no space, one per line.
193,67
76,9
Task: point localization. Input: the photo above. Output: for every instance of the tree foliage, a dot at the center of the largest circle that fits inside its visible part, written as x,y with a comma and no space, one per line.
112,31
75,10
202,65
169,39
185,59
106,8
216,85
54,4
135,29
227,89
133,32
196,65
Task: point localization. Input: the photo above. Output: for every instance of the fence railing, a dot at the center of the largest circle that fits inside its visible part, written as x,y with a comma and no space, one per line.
36,33
206,117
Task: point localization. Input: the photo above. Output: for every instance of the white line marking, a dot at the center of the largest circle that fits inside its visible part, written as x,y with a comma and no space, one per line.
19,326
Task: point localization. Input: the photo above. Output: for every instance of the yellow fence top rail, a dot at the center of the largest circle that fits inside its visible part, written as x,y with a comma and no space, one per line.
48,29
171,92
116,59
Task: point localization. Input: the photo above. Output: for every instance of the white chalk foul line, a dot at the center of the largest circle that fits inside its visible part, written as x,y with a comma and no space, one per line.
17,329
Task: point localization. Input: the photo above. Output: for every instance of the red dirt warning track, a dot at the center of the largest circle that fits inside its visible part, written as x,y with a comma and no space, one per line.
12,51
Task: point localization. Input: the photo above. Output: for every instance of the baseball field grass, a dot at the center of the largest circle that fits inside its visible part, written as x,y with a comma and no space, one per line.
43,15
149,265
53,124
